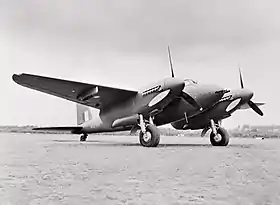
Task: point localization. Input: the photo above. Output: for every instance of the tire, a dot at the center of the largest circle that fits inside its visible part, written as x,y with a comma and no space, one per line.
154,137
224,137
83,138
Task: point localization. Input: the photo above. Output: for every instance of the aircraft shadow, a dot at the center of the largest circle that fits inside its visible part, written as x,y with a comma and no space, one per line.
106,143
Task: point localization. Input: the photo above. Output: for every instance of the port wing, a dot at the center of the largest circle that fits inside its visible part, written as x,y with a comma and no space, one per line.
95,96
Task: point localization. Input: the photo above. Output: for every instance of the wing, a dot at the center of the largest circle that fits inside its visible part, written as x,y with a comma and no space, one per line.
95,96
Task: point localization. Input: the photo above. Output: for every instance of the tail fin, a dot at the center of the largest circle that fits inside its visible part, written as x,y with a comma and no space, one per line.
83,114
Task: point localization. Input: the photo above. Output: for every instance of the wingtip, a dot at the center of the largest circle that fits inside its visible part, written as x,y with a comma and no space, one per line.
16,77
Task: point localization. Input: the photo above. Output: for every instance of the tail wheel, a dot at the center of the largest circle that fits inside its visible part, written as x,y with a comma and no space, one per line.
221,139
83,137
151,138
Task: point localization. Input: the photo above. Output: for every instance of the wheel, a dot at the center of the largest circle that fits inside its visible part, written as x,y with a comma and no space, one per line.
151,138
221,139
83,137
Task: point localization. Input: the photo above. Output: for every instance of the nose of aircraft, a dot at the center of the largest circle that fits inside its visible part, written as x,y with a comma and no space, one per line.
206,95
215,91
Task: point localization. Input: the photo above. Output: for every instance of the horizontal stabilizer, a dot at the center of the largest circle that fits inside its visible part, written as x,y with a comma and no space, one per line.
74,130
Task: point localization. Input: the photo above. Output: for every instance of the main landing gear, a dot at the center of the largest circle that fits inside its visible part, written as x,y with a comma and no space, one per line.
83,137
149,135
219,135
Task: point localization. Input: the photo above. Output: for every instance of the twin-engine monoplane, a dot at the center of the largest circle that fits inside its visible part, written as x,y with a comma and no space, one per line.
184,103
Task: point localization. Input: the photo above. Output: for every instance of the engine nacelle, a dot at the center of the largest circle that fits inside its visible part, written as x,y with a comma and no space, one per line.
130,120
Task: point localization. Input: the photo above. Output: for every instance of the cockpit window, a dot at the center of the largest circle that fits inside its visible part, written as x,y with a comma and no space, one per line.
190,81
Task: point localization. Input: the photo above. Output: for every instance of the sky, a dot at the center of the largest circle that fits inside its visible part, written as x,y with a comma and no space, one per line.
124,44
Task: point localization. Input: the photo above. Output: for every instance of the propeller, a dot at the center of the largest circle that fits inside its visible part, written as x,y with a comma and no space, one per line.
255,108
250,103
170,62
240,77
184,95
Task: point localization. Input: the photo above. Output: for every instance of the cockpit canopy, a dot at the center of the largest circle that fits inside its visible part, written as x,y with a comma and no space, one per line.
190,81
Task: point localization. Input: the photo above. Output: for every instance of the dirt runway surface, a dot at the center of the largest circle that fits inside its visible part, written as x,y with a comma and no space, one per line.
58,169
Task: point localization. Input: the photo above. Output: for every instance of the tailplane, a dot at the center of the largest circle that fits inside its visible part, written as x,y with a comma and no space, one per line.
83,115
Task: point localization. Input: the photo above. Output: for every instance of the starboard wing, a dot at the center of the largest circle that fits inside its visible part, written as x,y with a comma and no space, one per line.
92,95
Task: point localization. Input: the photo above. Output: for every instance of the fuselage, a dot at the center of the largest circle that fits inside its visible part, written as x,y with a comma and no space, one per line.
162,100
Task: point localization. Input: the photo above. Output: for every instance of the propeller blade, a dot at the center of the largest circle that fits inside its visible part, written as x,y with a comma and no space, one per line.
240,77
191,101
255,108
170,62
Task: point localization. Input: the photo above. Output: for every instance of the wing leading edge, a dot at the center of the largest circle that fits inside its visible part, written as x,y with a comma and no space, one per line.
95,96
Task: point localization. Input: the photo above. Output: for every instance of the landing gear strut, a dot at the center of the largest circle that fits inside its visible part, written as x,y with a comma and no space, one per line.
219,135
83,137
149,135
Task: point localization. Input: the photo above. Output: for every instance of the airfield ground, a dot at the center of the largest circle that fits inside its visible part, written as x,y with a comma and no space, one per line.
58,169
